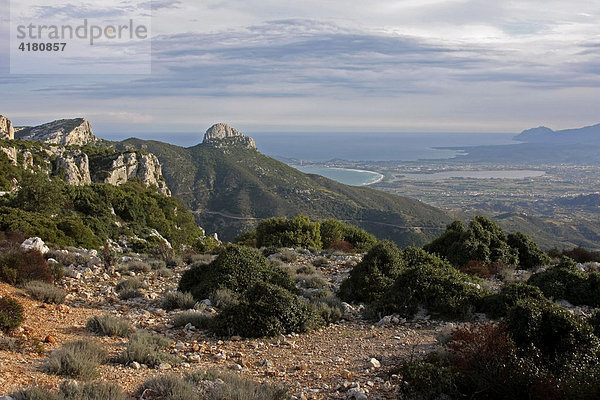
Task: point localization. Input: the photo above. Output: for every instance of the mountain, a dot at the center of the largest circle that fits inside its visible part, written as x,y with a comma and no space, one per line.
66,132
542,134
230,185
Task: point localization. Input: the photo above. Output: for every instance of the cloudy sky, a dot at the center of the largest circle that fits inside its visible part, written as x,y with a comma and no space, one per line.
333,65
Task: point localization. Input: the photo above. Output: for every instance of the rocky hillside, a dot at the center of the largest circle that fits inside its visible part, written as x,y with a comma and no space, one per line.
66,132
542,134
44,148
230,185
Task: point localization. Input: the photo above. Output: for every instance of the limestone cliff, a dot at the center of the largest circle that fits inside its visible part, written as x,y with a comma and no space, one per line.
7,131
65,132
121,168
73,167
223,134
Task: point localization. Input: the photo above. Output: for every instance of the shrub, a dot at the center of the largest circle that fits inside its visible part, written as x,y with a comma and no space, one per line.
235,387
157,264
130,284
224,298
530,255
547,331
498,304
476,268
288,256
436,286
267,310
169,387
147,348
337,235
307,269
594,321
565,281
298,232
45,292
18,267
165,273
130,294
426,380
319,262
314,281
178,301
73,391
107,325
11,314
342,246
328,307
374,275
236,268
196,318
77,360
139,267
483,240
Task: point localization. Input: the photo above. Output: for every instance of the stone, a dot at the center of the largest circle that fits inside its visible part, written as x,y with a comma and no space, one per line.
73,167
6,398
7,131
164,366
237,367
49,339
373,362
35,243
224,134
66,132
135,365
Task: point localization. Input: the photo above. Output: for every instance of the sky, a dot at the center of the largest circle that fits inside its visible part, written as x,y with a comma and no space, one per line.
329,66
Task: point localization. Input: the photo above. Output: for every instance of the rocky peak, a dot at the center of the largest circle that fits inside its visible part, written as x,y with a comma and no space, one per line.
66,132
6,128
223,133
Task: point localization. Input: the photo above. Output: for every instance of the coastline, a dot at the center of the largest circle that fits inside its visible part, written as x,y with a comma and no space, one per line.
377,177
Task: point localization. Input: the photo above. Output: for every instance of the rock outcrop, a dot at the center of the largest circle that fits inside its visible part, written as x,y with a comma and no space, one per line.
66,132
223,134
7,131
127,166
73,167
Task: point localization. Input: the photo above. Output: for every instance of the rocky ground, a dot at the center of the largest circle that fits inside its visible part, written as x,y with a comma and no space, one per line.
350,359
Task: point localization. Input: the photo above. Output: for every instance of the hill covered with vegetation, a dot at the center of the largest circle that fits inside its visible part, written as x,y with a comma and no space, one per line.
230,187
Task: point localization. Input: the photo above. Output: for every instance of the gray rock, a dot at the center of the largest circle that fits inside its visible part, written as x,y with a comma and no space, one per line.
223,133
73,167
7,131
373,362
66,132
35,243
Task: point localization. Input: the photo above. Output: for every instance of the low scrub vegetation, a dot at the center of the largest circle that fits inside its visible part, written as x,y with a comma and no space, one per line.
45,292
130,284
77,360
197,318
108,325
178,301
73,391
211,385
149,349
11,314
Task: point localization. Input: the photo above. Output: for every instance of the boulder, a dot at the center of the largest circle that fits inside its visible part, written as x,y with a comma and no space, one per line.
35,243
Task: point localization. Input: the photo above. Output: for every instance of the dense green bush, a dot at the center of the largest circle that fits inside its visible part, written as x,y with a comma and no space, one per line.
483,240
498,304
530,255
107,325
334,231
374,275
236,268
11,314
45,292
566,282
77,360
298,232
267,310
436,286
149,349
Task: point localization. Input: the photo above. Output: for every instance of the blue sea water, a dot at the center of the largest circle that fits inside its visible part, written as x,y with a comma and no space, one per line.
372,146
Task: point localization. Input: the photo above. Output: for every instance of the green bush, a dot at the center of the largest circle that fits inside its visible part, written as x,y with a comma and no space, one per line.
546,331
565,282
498,304
107,325
45,292
224,298
77,360
436,286
288,256
298,232
236,269
594,321
426,380
530,255
149,349
165,273
267,310
169,387
483,241
130,294
178,301
334,231
11,314
374,275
